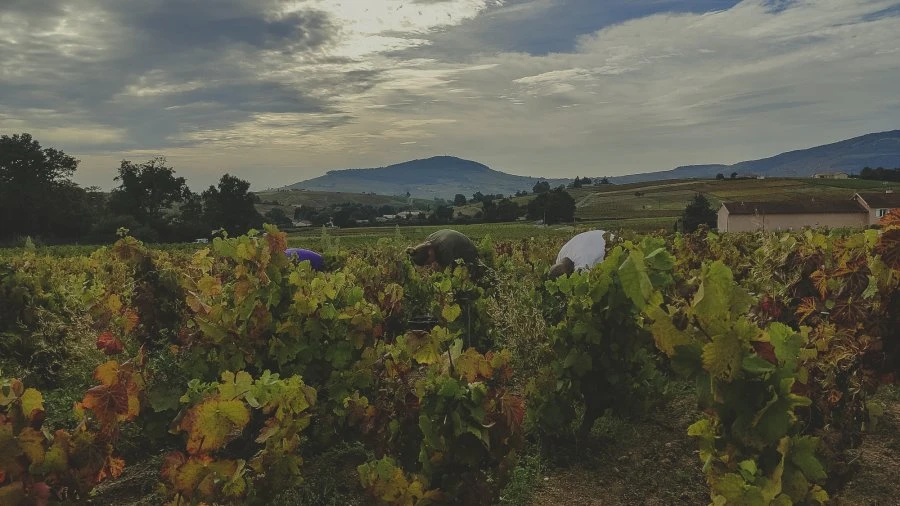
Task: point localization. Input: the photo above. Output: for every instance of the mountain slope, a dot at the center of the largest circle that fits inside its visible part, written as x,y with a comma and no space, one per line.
872,150
439,176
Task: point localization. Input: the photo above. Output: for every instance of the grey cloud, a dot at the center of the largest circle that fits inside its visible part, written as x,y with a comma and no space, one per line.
223,53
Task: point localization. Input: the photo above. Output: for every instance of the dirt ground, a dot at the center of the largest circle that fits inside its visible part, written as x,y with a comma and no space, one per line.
649,462
654,463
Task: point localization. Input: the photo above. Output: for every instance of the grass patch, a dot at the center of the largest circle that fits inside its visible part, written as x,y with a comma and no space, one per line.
523,482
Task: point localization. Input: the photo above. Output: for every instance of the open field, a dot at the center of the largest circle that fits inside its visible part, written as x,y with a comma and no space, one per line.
289,199
667,199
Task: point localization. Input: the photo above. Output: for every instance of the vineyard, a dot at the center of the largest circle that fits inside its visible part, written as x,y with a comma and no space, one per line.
233,376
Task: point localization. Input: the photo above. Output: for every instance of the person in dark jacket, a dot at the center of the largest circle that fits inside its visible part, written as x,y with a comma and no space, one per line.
304,255
443,248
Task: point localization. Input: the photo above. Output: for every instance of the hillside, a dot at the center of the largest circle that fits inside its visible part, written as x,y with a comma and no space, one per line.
871,150
439,176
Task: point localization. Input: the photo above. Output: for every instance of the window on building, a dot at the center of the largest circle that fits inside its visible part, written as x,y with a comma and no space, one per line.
881,212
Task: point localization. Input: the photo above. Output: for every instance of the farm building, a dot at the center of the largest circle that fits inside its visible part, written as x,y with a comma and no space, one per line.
878,204
831,175
862,210
793,214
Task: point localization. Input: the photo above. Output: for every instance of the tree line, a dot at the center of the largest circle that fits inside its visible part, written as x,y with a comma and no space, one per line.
880,174
39,199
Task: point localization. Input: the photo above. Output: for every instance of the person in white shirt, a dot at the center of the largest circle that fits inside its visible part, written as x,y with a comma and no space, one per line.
583,251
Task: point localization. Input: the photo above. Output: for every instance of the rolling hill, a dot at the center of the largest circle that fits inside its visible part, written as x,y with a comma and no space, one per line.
439,176
872,150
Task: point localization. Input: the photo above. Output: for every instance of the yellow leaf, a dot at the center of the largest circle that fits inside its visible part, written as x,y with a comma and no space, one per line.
213,423
108,373
451,313
32,403
31,441
113,303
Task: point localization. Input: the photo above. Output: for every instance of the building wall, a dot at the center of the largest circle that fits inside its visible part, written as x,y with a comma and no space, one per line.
750,223
874,219
722,223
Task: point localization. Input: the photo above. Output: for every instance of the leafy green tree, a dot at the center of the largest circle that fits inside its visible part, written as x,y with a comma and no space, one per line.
277,216
231,206
459,199
699,212
720,176
541,187
37,196
734,175
190,222
477,197
577,183
556,206
146,190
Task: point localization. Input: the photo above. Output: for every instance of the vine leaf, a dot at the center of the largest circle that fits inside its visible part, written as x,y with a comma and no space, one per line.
109,344
213,423
723,356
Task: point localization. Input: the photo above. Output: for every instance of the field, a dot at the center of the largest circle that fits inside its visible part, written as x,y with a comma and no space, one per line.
660,203
287,200
683,369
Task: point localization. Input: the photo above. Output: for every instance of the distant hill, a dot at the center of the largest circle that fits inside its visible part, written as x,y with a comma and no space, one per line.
439,176
871,150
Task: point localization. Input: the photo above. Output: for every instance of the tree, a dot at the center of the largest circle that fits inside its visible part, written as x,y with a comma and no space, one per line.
605,180
586,181
699,212
278,217
507,210
147,189
477,197
553,207
734,175
541,187
720,176
459,199
189,224
442,214
231,206
37,196
577,183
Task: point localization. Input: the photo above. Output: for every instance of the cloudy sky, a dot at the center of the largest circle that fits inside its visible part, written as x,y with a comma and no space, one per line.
277,91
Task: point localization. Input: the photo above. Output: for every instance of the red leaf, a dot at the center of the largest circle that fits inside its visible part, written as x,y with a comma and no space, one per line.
109,344
514,411
107,402
765,350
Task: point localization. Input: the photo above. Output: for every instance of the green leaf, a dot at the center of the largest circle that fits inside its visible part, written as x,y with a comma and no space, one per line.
451,313
635,282
665,333
748,470
660,260
754,364
723,356
712,298
787,344
803,455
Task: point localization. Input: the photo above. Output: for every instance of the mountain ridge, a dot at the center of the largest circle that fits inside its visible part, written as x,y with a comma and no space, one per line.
435,177
877,149
444,176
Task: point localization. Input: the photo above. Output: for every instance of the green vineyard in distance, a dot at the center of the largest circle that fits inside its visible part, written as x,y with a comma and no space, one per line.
224,373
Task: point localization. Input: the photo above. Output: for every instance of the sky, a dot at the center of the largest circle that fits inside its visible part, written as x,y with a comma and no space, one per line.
278,91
